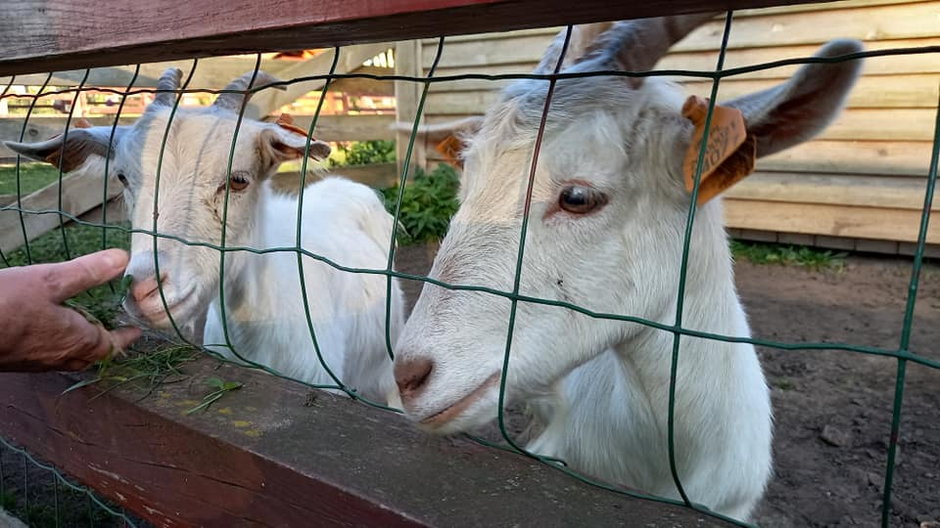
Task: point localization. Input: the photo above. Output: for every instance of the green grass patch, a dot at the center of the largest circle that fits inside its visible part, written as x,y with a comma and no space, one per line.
81,240
103,302
33,176
802,256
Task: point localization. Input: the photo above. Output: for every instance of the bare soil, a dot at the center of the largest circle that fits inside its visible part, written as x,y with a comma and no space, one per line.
833,408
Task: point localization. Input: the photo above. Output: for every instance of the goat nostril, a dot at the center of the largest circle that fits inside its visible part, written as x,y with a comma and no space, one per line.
412,375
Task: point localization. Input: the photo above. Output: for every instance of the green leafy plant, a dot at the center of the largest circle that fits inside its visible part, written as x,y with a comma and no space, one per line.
807,257
428,203
363,153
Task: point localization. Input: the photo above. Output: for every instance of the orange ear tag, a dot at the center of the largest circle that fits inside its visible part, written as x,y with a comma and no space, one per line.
729,154
286,122
450,149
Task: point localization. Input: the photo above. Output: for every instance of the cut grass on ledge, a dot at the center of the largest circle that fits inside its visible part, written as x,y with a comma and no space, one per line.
802,256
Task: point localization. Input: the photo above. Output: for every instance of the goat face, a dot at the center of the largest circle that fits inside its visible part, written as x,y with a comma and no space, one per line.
604,228
182,196
176,177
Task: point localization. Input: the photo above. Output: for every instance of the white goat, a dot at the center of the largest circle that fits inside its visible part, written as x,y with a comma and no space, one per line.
341,220
605,231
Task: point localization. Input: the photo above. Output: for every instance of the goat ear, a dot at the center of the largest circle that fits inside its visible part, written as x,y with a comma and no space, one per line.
793,112
448,138
80,145
280,142
461,128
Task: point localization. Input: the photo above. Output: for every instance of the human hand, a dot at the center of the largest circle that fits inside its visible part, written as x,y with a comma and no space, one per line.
38,333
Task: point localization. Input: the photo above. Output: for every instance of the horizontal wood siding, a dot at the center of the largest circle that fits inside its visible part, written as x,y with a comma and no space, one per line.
885,133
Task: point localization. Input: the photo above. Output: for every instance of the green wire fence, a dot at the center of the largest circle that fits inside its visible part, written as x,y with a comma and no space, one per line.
39,495
902,354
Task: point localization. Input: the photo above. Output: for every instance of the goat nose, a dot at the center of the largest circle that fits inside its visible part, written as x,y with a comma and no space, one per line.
142,288
411,375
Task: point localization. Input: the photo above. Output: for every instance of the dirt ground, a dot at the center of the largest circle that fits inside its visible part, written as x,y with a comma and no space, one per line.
833,408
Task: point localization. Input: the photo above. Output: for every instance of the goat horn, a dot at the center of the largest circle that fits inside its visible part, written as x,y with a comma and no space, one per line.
582,36
167,86
240,86
637,45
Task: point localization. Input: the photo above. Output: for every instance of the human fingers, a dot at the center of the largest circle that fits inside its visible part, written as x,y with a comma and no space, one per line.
123,337
67,279
81,339
74,364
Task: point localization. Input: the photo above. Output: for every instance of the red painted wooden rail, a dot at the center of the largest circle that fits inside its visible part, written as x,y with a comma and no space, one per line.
46,35
276,453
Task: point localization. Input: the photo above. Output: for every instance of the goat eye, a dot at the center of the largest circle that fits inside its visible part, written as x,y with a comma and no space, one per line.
122,178
238,182
579,199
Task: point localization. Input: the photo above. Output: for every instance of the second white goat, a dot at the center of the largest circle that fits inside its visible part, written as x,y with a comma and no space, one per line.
266,296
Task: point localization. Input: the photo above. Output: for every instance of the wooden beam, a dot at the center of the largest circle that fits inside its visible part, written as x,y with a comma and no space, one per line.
908,158
871,91
350,59
521,56
914,20
276,453
361,85
329,128
834,189
41,128
878,223
81,191
212,72
868,124
350,127
376,175
48,35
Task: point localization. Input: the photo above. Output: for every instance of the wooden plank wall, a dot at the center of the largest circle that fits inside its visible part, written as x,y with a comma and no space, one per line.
867,168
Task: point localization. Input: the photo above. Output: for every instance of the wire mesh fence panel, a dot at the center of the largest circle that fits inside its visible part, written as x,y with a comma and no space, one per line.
276,271
39,495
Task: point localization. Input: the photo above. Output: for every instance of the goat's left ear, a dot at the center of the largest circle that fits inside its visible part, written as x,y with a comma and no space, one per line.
793,112
280,142
81,144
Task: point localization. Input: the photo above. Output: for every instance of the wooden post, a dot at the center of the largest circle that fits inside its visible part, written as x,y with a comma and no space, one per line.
407,95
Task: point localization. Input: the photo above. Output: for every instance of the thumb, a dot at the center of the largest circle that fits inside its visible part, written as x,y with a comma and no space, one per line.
67,279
